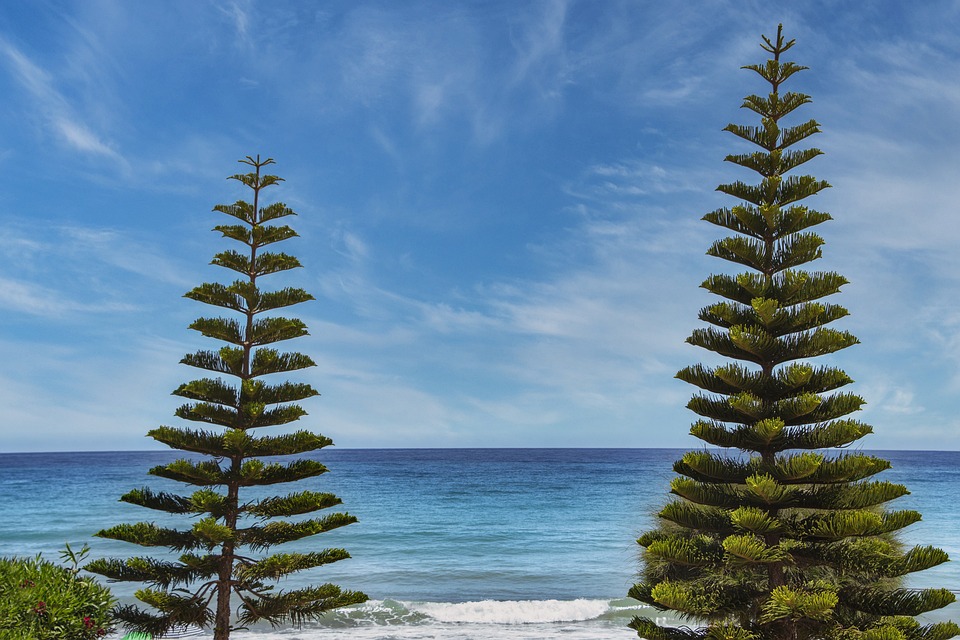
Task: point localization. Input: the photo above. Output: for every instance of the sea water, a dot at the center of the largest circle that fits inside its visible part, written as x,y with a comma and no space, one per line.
450,543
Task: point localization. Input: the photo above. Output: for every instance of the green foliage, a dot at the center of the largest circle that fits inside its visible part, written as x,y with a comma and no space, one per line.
215,564
40,600
775,536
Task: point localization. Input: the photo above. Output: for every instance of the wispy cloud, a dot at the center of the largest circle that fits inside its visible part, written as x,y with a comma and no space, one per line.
56,110
240,17
35,299
539,43
500,200
81,137
115,249
65,272
602,333
633,179
81,412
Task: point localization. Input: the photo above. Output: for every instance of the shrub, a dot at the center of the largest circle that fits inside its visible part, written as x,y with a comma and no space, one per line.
40,600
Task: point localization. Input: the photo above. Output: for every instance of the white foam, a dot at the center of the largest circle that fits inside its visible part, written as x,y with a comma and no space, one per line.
513,611
580,619
452,632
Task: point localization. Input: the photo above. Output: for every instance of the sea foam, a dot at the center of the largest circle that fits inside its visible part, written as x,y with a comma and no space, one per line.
482,620
581,619
513,611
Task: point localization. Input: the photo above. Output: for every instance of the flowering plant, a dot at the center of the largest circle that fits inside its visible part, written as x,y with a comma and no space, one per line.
40,600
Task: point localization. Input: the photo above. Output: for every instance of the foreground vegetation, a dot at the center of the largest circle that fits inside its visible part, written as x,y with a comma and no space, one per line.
40,600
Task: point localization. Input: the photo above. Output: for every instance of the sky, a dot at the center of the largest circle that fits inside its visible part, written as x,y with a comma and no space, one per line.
499,207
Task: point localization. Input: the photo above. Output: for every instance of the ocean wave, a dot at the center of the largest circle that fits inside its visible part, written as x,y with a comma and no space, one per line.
513,611
580,619
483,612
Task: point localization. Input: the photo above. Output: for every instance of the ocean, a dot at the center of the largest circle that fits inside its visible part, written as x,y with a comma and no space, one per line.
471,544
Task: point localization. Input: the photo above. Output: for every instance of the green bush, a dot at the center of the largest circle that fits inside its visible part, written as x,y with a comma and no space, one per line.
40,600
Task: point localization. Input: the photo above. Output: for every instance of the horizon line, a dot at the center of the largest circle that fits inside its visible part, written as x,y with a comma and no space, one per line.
4,453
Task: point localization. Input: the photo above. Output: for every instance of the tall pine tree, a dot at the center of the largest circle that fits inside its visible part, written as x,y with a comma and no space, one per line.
215,569
775,535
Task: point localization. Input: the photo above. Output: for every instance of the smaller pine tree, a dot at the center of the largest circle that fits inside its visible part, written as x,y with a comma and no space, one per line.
215,568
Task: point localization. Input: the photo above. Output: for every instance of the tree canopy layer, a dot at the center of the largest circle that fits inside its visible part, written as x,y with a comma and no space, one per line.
774,532
217,569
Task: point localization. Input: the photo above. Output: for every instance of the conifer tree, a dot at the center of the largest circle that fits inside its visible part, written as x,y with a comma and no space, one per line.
215,570
775,535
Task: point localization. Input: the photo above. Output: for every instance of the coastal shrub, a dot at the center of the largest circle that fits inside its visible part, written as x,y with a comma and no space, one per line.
218,553
40,600
774,532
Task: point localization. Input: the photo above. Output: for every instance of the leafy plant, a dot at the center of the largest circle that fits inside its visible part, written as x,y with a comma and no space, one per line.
40,600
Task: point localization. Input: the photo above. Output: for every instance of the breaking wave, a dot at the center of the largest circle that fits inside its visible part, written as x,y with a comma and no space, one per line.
480,620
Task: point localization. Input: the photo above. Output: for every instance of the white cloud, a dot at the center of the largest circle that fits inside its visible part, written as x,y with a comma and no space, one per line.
33,78
80,137
113,248
356,249
55,108
634,178
539,43
603,334
443,318
90,399
69,273
35,299
240,18
584,321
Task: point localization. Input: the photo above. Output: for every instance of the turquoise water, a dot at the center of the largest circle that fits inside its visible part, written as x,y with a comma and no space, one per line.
469,543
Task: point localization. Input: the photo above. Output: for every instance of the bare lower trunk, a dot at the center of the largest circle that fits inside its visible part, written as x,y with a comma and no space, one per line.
221,629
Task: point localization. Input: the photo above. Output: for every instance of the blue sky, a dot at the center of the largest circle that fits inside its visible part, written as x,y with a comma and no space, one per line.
499,207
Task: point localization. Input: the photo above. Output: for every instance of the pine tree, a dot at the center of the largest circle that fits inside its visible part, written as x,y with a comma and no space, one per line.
775,535
214,565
